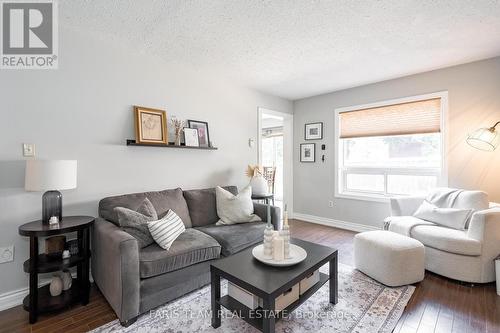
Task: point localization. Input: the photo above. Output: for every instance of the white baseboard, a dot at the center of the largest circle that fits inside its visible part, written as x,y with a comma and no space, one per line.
334,223
14,298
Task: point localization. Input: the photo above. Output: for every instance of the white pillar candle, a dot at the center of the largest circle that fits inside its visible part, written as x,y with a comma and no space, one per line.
278,249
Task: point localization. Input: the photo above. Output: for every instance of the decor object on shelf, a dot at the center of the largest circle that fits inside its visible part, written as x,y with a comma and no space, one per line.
66,254
191,138
54,220
268,241
54,246
178,126
485,138
72,246
56,285
150,125
308,152
313,131
257,181
50,176
285,233
67,279
203,135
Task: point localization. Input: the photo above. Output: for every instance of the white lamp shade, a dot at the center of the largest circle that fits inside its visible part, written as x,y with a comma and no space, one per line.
484,139
45,175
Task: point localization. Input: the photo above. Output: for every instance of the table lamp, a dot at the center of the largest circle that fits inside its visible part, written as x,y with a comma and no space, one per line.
50,176
485,138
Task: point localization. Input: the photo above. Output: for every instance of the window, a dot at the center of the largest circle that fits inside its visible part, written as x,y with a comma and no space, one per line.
391,148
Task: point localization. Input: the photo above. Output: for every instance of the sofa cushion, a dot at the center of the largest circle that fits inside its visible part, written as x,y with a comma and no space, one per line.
191,247
446,239
203,205
448,217
236,237
162,201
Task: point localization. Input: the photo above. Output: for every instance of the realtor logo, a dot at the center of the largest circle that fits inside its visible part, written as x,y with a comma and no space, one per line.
29,35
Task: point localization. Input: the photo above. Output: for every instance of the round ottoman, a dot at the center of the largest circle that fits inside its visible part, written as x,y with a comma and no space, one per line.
389,258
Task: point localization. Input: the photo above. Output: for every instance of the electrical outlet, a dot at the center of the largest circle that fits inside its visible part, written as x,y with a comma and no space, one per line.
6,254
330,203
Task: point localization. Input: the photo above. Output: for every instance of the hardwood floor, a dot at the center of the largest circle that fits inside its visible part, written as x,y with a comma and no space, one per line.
438,304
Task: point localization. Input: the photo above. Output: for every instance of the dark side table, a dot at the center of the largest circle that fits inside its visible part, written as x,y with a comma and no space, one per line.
267,198
39,300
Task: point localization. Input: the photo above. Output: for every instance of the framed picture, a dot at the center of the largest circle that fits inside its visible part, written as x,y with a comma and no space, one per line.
308,152
314,131
202,127
150,125
191,137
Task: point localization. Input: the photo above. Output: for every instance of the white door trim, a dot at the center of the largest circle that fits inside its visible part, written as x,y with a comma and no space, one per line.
287,151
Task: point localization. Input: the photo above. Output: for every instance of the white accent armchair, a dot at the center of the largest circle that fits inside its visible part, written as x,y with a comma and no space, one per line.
466,255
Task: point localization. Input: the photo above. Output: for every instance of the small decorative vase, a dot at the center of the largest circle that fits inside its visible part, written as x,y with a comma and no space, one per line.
178,139
259,185
56,285
268,241
66,278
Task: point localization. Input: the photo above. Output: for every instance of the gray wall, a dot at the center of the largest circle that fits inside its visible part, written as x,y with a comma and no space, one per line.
474,101
83,111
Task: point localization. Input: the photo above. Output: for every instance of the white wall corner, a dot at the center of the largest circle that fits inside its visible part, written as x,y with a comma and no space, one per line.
334,223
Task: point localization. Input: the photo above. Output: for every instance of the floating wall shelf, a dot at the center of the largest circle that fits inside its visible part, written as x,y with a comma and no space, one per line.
170,145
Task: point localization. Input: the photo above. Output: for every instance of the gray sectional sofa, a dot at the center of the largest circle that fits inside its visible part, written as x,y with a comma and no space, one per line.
136,280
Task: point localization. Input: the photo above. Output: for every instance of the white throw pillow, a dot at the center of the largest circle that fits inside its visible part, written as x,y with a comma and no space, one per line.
166,230
449,217
233,209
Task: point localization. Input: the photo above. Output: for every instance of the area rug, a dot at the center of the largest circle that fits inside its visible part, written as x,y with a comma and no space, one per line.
364,306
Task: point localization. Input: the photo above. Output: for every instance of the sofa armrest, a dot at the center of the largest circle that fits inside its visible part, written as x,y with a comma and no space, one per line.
115,268
405,206
261,211
485,227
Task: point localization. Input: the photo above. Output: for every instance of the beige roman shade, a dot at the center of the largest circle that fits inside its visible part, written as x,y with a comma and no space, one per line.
397,119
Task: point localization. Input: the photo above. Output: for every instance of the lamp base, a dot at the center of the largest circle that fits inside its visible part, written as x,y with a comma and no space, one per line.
51,206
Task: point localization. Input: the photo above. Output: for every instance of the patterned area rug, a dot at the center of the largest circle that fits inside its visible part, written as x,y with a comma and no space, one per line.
364,306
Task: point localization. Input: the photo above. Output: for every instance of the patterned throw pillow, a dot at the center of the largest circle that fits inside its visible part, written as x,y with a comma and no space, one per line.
166,230
136,222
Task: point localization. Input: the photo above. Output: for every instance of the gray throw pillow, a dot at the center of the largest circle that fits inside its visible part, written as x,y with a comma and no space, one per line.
136,222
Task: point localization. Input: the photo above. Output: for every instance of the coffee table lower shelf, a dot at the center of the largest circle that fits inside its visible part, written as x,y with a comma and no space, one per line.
254,318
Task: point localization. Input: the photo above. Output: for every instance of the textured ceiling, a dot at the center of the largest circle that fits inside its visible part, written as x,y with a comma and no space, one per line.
298,48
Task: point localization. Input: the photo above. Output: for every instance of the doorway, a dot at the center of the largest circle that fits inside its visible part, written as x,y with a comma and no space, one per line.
276,151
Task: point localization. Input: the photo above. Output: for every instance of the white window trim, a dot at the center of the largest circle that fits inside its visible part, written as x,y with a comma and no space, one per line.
443,177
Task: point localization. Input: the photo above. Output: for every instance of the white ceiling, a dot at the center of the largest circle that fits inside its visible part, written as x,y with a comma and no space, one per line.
299,48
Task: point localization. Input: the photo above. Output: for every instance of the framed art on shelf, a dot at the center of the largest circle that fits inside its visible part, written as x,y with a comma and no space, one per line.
203,135
191,137
308,152
150,125
313,131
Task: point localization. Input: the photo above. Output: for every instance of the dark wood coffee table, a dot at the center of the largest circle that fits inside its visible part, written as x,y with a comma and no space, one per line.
269,282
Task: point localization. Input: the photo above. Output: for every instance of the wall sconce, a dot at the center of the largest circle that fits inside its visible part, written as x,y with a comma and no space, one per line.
485,138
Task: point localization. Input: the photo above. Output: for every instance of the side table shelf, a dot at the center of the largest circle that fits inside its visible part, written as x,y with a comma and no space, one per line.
48,303
47,265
